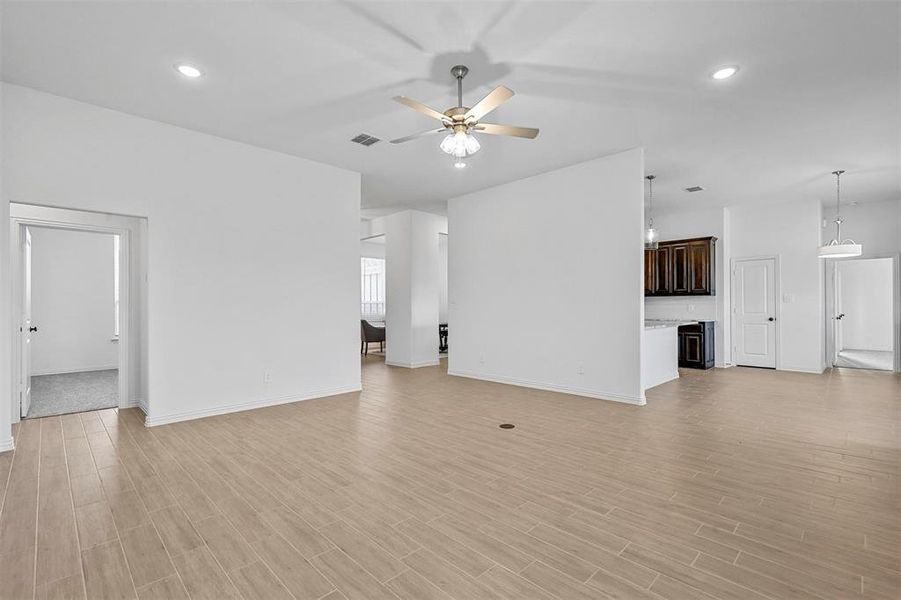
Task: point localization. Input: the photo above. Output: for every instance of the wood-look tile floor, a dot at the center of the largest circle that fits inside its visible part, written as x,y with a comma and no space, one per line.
733,484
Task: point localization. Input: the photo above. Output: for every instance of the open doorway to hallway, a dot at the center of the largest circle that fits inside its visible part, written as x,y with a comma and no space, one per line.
373,293
70,321
864,314
443,329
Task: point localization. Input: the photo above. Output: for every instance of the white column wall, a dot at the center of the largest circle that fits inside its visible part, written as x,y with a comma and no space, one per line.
412,288
545,280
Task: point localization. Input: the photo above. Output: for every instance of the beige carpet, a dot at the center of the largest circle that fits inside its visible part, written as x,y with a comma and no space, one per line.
73,392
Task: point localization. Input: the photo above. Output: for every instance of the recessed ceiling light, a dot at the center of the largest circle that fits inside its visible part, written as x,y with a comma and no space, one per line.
188,70
725,72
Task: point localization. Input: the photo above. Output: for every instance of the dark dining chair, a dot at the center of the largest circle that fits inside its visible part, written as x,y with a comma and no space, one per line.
370,333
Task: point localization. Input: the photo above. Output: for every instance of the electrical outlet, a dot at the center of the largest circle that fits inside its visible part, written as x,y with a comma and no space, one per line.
580,369
690,307
481,359
267,376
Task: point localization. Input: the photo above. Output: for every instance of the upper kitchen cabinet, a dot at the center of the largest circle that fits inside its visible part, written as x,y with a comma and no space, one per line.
681,268
657,272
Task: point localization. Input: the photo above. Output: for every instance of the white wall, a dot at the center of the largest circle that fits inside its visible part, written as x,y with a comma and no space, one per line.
442,278
790,231
865,294
675,225
545,280
72,291
6,376
253,256
370,249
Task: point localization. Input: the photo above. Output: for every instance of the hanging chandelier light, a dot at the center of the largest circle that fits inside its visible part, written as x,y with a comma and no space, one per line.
837,247
651,240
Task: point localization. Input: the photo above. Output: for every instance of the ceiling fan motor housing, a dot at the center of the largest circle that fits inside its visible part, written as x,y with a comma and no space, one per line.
458,119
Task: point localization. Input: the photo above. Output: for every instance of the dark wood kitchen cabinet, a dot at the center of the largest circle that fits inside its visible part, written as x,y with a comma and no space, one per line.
696,345
657,270
679,260
650,272
681,268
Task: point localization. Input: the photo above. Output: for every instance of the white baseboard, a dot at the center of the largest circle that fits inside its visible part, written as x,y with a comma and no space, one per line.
136,403
427,363
78,370
7,445
189,415
552,387
672,378
801,370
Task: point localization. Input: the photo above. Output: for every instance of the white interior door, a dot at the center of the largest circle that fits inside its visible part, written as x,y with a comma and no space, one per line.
27,327
754,301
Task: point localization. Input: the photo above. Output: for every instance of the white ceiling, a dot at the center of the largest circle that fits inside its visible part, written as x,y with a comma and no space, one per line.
819,87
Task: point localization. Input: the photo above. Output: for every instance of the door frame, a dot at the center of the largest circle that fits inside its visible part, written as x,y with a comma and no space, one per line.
25,246
832,302
17,232
777,303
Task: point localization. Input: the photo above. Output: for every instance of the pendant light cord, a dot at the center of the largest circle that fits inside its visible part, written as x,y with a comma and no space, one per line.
838,196
650,179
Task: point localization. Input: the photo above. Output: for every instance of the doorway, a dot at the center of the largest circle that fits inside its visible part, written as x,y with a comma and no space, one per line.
70,326
443,332
755,326
373,296
48,351
863,331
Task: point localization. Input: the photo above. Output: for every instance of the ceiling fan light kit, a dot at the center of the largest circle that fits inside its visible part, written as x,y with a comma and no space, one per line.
838,247
460,144
460,122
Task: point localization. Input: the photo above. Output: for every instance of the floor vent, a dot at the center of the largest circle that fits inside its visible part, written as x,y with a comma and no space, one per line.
694,188
506,425
365,139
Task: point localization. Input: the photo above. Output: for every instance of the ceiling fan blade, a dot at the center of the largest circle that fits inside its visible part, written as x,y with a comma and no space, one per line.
498,96
418,135
523,132
419,106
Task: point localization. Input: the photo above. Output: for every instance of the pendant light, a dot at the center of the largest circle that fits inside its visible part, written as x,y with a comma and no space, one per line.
651,240
837,247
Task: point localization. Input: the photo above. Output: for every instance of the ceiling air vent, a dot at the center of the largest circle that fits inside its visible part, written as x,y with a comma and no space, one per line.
694,188
365,139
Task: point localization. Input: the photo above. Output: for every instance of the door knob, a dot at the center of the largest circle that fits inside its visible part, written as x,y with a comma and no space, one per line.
839,318
32,329
771,319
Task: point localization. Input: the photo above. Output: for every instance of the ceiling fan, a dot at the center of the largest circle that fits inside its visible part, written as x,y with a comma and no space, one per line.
460,122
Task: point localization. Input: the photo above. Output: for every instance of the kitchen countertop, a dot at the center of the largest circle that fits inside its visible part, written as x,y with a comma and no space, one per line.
663,323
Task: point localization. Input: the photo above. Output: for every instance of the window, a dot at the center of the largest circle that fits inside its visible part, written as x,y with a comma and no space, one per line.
116,285
372,287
